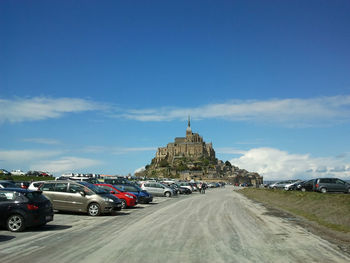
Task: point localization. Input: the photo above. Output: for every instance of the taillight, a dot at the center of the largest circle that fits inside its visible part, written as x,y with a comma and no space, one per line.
32,207
316,185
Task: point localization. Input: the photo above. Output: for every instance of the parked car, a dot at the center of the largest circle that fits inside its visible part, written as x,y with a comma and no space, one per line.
281,184
35,185
143,196
7,184
17,172
181,189
307,186
292,185
23,185
80,197
20,208
90,180
127,199
4,172
157,189
33,173
116,180
325,185
186,185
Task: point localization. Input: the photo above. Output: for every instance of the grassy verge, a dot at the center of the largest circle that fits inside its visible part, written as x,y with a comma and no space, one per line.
26,178
329,210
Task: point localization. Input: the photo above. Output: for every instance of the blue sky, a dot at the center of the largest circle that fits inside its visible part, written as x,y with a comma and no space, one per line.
97,86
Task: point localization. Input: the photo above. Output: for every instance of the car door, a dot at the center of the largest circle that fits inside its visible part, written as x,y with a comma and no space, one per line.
75,200
5,205
340,185
59,196
150,187
159,188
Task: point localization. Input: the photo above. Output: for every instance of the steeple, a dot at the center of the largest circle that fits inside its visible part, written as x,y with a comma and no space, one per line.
188,130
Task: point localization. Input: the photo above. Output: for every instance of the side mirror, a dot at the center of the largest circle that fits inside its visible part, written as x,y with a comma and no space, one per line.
82,193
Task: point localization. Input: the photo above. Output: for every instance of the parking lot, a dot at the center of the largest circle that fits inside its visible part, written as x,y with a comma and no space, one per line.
220,226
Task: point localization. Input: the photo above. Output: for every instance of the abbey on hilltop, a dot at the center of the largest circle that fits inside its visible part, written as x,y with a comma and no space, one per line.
191,158
192,146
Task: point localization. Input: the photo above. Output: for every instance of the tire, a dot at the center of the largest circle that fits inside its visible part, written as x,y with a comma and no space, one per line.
323,190
303,189
167,194
348,191
124,205
15,223
94,209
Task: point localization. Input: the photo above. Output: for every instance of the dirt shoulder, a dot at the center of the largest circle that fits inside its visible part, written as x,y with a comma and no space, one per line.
324,215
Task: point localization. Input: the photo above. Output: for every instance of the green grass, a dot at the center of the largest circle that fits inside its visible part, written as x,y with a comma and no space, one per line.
329,210
26,178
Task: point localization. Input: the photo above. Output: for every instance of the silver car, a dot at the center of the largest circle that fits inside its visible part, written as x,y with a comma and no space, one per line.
155,188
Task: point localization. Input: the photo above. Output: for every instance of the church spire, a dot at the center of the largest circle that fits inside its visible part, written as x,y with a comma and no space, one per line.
188,130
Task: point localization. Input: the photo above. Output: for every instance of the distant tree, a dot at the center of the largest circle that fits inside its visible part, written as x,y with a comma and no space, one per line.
147,166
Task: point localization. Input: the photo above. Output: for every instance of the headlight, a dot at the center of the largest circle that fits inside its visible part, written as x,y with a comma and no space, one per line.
109,200
130,196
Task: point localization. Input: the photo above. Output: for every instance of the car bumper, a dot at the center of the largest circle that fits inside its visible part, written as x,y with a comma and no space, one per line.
110,207
145,199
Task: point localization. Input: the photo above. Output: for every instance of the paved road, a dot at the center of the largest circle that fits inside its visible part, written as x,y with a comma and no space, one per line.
220,226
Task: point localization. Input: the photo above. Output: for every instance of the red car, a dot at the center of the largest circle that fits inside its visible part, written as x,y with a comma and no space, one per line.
128,199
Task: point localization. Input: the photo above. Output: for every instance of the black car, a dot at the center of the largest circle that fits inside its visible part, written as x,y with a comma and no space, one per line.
307,185
21,208
7,184
182,190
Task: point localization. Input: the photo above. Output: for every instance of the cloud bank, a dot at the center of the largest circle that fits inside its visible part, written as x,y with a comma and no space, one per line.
41,108
65,164
275,164
290,112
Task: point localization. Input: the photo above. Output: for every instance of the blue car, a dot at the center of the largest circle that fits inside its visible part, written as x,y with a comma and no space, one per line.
143,197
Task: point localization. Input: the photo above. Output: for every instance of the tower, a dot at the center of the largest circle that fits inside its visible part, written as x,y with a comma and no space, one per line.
188,130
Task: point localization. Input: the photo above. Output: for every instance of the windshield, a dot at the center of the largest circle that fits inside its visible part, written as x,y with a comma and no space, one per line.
128,188
94,188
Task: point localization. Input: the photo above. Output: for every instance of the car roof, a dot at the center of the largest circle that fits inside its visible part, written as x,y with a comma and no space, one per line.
20,190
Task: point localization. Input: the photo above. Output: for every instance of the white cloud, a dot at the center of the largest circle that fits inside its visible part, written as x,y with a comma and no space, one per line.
19,156
289,112
227,150
275,164
41,108
42,141
140,169
117,150
65,164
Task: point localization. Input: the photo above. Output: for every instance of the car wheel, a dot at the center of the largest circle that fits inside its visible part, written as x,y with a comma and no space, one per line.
94,209
15,223
323,190
167,194
124,205
303,189
348,191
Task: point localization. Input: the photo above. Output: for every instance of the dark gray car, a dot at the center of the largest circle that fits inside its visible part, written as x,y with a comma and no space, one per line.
325,185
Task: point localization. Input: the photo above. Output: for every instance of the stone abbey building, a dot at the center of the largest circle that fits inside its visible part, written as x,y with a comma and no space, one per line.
191,158
192,146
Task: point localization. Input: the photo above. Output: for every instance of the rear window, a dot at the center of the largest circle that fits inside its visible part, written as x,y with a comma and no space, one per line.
35,196
7,196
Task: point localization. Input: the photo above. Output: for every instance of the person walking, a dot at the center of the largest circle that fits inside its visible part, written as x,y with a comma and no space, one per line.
204,186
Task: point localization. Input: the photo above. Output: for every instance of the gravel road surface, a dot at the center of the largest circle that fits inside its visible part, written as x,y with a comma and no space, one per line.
220,226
